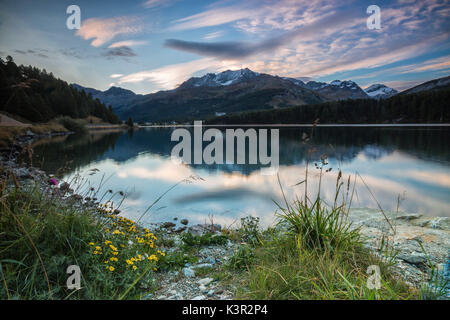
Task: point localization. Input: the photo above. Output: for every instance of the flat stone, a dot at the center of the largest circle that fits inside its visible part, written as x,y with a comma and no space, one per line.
188,272
202,297
21,173
203,265
181,229
168,225
442,223
205,281
200,229
412,258
210,260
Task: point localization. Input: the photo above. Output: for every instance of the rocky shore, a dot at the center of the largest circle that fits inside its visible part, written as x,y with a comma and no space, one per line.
414,241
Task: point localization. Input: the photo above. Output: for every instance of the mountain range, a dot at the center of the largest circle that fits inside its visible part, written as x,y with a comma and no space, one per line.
235,91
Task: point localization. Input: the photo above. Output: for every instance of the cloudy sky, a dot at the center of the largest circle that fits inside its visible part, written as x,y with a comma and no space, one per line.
151,45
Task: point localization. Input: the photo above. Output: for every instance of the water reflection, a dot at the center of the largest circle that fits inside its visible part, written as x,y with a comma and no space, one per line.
413,162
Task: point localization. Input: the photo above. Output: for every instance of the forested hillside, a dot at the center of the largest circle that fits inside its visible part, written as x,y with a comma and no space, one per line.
38,96
422,107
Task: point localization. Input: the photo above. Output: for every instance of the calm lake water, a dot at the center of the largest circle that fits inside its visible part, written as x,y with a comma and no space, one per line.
413,162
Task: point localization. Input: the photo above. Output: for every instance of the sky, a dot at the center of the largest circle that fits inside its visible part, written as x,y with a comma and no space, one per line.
152,45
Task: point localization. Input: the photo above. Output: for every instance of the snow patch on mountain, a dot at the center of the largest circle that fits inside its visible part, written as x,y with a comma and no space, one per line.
224,78
378,91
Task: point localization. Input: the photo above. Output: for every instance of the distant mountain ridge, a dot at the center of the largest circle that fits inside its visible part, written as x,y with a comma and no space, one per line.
436,84
117,97
231,91
225,78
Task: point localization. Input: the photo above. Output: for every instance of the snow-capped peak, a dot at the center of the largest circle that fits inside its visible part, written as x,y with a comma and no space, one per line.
224,78
379,91
344,84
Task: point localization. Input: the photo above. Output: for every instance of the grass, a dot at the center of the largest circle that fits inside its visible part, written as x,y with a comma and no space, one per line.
41,236
9,133
206,239
75,125
284,266
313,253
283,269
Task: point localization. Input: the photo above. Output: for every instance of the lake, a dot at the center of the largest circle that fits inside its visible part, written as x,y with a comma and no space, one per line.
407,163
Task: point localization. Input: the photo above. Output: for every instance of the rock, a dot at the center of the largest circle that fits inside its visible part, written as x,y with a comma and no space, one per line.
408,216
184,221
180,229
148,297
442,223
200,229
205,281
210,293
64,186
175,219
21,173
203,265
202,297
188,272
77,197
412,258
210,260
168,225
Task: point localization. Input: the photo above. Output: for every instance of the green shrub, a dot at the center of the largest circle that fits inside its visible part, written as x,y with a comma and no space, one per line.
204,240
72,124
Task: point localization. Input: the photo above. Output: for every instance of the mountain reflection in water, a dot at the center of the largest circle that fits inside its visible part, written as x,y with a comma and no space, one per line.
411,161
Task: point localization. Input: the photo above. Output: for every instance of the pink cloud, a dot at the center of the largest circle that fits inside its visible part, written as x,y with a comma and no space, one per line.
104,30
127,43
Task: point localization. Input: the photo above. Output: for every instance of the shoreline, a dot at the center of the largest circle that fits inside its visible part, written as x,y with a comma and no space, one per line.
411,262
375,125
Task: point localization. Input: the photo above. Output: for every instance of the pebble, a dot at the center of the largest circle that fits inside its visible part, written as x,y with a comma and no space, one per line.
202,297
205,281
203,265
188,272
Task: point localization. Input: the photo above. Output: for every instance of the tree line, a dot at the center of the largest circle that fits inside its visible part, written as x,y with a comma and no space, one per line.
38,96
422,107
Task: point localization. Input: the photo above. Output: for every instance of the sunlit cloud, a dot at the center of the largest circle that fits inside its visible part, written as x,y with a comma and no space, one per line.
213,17
104,30
127,43
213,35
170,76
155,3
